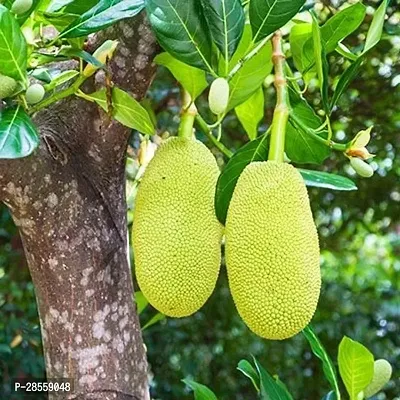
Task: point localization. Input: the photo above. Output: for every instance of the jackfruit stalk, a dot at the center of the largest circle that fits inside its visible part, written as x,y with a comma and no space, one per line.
272,250
176,235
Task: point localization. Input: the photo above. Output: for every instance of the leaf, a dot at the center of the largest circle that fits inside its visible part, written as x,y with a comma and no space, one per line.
319,351
330,396
248,370
84,55
251,112
269,389
102,15
320,61
283,386
126,109
256,150
333,32
356,366
375,30
345,79
21,18
192,79
18,135
181,30
225,19
61,79
13,47
327,180
301,147
141,302
59,20
201,392
267,16
252,74
157,318
71,6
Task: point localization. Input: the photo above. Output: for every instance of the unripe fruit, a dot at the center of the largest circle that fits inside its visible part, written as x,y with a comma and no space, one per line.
382,374
176,234
7,86
21,6
218,97
272,252
361,167
35,93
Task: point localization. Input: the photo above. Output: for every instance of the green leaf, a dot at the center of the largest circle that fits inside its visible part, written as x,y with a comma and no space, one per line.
356,366
157,318
327,180
60,20
141,302
102,15
251,112
84,55
375,31
283,386
268,16
13,47
300,146
330,396
226,20
201,392
71,6
248,370
18,134
126,109
192,79
181,30
61,79
256,150
319,350
333,32
345,79
320,61
269,389
252,74
42,74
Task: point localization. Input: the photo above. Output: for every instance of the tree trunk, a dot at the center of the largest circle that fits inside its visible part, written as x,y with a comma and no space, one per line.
68,200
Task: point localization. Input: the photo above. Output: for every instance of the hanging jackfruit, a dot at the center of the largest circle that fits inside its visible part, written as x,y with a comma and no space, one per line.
176,235
272,250
7,86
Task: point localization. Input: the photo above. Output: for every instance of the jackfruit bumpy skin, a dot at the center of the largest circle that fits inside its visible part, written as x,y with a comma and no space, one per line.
176,235
272,250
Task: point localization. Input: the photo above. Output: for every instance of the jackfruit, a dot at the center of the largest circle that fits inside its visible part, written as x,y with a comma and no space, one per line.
272,250
176,235
7,86
218,97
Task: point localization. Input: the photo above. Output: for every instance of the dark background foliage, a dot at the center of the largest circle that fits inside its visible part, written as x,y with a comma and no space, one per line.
360,242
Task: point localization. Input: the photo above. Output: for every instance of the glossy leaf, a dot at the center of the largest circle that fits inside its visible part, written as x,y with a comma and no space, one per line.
348,75
266,16
300,146
61,79
299,39
320,62
319,350
60,20
201,392
102,15
251,112
13,47
18,134
356,366
252,74
330,396
269,389
248,370
84,55
376,28
327,180
71,6
181,30
126,110
192,79
256,150
225,19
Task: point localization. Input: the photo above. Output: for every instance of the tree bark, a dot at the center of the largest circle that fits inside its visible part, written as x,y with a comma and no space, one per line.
68,200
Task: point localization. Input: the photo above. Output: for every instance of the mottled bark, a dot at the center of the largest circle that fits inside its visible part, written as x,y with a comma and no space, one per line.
68,200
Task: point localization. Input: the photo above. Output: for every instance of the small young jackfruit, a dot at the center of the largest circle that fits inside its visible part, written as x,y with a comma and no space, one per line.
7,86
272,250
218,97
176,235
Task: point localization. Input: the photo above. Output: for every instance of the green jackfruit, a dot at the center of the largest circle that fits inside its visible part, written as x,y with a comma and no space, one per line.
272,250
176,235
7,86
